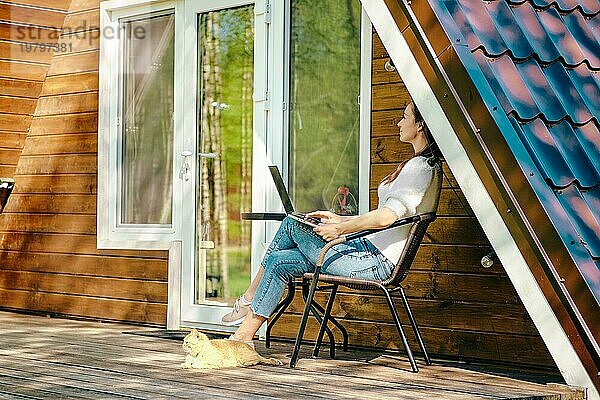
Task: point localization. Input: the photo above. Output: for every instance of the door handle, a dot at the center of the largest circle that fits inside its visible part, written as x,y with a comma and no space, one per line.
184,172
207,155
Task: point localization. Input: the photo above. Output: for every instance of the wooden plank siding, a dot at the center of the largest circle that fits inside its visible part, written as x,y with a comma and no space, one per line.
464,310
23,68
48,256
49,261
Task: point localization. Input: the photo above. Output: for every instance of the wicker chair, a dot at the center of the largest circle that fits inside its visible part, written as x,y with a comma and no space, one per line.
315,308
392,284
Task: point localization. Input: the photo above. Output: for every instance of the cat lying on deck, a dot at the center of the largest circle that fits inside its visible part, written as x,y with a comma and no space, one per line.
204,353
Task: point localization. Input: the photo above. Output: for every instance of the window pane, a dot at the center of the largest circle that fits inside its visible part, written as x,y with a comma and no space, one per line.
147,134
324,112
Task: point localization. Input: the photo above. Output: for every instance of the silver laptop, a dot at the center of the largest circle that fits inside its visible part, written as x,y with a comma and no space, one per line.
287,202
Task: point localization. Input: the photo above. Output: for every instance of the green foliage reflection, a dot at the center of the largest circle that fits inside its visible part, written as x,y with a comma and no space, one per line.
324,112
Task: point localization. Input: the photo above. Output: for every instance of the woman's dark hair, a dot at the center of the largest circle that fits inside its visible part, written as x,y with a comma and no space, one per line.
431,151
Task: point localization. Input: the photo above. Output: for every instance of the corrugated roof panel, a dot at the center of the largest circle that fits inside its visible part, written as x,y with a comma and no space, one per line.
584,37
585,217
474,23
513,94
589,137
545,34
515,40
558,153
569,48
588,7
587,83
551,92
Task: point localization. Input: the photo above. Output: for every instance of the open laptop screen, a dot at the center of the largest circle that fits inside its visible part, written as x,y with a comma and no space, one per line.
283,193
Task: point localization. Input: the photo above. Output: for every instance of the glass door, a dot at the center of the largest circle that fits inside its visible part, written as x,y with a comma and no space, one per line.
217,244
224,177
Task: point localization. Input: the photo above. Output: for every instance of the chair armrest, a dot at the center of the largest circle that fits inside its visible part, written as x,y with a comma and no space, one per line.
400,222
263,216
403,221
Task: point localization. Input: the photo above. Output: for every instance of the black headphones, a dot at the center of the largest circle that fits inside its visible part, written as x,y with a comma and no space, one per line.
432,160
431,155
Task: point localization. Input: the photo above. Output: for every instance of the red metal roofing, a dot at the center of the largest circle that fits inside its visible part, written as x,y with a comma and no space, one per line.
541,60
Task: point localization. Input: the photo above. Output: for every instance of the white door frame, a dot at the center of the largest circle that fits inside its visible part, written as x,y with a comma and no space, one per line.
269,143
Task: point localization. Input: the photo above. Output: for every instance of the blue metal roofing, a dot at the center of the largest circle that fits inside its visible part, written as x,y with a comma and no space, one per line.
588,7
525,32
541,60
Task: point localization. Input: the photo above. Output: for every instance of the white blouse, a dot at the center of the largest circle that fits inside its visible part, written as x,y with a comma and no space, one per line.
415,190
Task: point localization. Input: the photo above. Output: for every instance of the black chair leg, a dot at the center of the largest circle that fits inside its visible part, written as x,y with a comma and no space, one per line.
307,309
317,311
334,322
317,314
343,330
411,358
338,325
415,327
280,309
326,317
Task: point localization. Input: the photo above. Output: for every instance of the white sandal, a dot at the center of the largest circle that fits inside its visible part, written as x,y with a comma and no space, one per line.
249,343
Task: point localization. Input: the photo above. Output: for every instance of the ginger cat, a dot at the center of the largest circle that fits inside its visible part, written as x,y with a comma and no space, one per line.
204,353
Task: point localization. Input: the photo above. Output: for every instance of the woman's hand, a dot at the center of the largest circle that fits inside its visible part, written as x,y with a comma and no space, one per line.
328,231
327,217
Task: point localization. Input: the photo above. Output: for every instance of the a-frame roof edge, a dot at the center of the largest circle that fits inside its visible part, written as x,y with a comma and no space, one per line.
487,181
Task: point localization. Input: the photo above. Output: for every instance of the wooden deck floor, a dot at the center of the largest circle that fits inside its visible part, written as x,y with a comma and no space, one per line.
58,358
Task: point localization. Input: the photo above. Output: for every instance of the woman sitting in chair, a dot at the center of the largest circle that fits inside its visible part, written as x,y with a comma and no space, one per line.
412,188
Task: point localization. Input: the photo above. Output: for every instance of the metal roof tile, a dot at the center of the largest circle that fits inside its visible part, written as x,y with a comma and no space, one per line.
594,24
589,137
474,23
568,46
558,153
541,89
552,92
587,84
540,144
515,39
545,34
588,7
507,84
583,208
569,94
529,21
582,34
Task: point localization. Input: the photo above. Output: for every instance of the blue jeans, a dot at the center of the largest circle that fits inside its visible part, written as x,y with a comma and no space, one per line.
294,251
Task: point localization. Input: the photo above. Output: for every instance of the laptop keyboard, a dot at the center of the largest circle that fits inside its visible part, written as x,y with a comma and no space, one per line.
315,221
